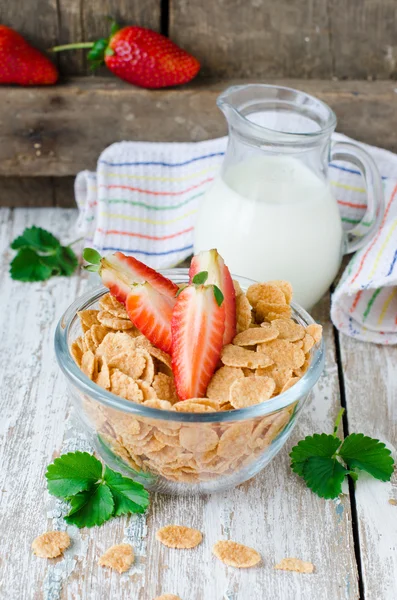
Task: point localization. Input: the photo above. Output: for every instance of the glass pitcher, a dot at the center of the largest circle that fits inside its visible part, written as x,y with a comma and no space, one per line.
270,211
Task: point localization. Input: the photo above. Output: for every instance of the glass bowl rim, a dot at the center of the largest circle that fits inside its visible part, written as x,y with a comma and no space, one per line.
74,374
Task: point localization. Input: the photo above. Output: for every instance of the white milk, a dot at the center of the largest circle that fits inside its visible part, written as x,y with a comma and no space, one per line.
273,218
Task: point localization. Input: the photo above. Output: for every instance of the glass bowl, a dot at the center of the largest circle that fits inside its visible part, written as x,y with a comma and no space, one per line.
179,452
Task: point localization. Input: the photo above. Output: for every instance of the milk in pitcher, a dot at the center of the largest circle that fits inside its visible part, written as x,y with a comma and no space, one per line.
271,217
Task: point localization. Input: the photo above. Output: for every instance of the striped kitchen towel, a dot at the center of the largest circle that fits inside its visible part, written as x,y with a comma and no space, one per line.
144,197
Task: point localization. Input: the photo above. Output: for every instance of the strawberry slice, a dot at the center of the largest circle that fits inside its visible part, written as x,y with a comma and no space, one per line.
219,275
120,272
151,313
198,324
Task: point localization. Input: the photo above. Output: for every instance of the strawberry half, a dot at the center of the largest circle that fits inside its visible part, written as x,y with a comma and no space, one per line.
151,313
198,324
219,275
119,272
149,297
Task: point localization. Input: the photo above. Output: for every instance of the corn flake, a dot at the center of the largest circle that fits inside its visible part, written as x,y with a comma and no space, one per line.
89,364
235,356
119,557
295,564
288,330
112,322
51,544
198,439
251,390
283,353
109,304
116,343
265,292
234,440
167,597
103,378
164,387
192,406
125,386
219,386
256,335
88,318
177,536
285,287
236,555
243,313
264,309
76,352
316,331
98,333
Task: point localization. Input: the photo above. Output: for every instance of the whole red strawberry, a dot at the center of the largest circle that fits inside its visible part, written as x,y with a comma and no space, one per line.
141,56
21,63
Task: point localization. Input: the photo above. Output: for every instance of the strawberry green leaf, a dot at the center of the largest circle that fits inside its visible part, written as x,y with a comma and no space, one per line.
367,454
72,473
200,278
180,290
313,445
324,476
67,260
92,256
91,507
28,266
129,496
219,297
36,238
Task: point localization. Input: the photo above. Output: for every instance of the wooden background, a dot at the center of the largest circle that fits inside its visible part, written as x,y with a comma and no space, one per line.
336,49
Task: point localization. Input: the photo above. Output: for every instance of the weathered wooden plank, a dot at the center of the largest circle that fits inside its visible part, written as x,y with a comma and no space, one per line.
33,402
255,39
320,38
370,375
363,38
26,191
56,118
63,192
86,21
37,21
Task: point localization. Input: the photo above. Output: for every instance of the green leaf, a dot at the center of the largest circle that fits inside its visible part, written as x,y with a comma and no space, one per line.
129,496
72,473
91,268
36,238
313,445
180,290
368,454
28,266
91,507
324,476
96,54
218,295
67,260
92,256
200,278
115,27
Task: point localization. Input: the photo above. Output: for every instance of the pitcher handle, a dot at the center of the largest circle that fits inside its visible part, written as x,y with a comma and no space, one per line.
361,234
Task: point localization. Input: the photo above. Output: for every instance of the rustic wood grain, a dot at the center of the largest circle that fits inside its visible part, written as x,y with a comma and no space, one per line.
274,513
74,122
86,21
37,21
363,38
27,191
289,38
371,400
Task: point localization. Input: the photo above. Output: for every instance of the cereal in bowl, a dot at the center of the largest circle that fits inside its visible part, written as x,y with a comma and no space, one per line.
204,348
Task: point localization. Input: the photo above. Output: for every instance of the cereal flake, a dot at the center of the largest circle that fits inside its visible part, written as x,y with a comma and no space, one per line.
51,544
118,557
251,390
295,564
178,536
236,555
236,356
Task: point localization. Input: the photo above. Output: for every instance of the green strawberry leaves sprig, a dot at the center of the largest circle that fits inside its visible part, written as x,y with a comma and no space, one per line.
324,461
200,279
40,255
95,492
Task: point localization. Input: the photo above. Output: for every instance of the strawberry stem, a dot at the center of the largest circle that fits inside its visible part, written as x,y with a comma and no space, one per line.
75,46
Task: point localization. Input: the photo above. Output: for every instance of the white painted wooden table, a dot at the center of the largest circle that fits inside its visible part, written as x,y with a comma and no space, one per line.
352,541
